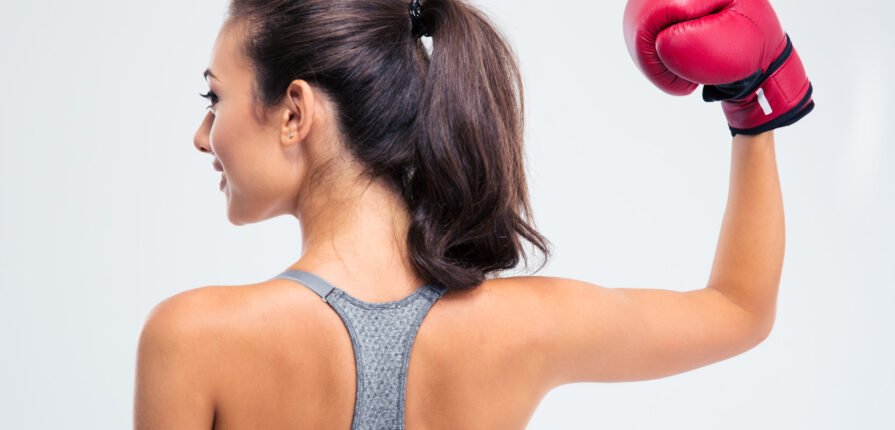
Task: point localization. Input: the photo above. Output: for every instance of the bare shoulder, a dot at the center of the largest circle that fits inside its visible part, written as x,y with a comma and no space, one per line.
216,313
189,313
203,321
173,381
189,326
591,333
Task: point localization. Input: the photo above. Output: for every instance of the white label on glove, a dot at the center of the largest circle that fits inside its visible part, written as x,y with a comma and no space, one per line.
763,102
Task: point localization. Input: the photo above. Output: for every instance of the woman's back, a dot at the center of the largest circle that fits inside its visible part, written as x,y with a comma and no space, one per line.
288,361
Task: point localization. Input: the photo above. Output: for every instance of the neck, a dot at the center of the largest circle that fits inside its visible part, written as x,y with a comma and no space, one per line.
354,236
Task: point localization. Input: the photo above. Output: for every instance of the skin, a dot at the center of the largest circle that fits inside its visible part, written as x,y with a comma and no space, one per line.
273,355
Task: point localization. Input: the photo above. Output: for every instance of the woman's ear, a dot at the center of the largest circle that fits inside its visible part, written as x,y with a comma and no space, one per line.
299,112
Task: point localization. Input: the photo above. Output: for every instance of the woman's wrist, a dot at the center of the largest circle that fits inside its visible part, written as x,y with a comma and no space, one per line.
762,139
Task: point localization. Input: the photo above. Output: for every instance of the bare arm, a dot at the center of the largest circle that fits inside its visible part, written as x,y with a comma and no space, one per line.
749,255
591,333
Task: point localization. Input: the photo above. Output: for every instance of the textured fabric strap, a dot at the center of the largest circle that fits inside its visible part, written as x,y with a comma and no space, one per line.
382,336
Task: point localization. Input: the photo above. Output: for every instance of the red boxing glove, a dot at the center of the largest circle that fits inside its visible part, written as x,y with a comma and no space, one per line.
736,49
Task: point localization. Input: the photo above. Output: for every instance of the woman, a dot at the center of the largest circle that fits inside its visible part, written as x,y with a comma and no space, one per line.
406,173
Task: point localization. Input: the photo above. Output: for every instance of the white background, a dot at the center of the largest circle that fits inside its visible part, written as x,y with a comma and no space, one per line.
106,208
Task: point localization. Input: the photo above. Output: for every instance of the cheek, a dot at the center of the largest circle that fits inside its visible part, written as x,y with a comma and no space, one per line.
251,165
224,143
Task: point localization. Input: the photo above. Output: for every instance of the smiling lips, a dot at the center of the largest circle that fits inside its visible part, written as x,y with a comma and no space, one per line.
217,166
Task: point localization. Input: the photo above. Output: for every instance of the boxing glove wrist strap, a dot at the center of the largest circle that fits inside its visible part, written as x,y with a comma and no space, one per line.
774,98
805,106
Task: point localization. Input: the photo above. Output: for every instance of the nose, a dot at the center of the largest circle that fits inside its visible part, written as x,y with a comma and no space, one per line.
201,138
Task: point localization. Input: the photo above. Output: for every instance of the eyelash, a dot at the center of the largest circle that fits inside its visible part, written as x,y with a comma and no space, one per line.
210,95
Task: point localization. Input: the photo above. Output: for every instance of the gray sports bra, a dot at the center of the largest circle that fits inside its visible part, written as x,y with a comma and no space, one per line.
382,335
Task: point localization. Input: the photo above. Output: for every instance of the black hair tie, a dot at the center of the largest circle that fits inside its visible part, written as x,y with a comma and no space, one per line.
416,18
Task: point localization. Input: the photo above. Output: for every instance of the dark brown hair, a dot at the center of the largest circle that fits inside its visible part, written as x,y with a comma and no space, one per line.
444,130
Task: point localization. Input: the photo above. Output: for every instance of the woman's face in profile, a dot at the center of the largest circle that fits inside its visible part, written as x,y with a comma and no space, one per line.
257,174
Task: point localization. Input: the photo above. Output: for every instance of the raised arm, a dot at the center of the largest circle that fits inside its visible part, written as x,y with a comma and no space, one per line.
591,333
740,55
749,256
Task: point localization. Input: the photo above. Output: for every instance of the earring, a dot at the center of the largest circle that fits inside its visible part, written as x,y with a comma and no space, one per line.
290,135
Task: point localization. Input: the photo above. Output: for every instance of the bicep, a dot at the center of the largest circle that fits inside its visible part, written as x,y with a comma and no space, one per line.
598,334
171,389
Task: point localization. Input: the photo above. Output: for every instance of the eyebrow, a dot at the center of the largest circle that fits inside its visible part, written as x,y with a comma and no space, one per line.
207,73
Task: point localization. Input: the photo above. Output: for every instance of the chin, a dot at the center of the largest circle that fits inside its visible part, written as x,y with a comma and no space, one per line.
236,220
240,214
235,214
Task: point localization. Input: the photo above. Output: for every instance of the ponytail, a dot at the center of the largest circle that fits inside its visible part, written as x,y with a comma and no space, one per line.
469,188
